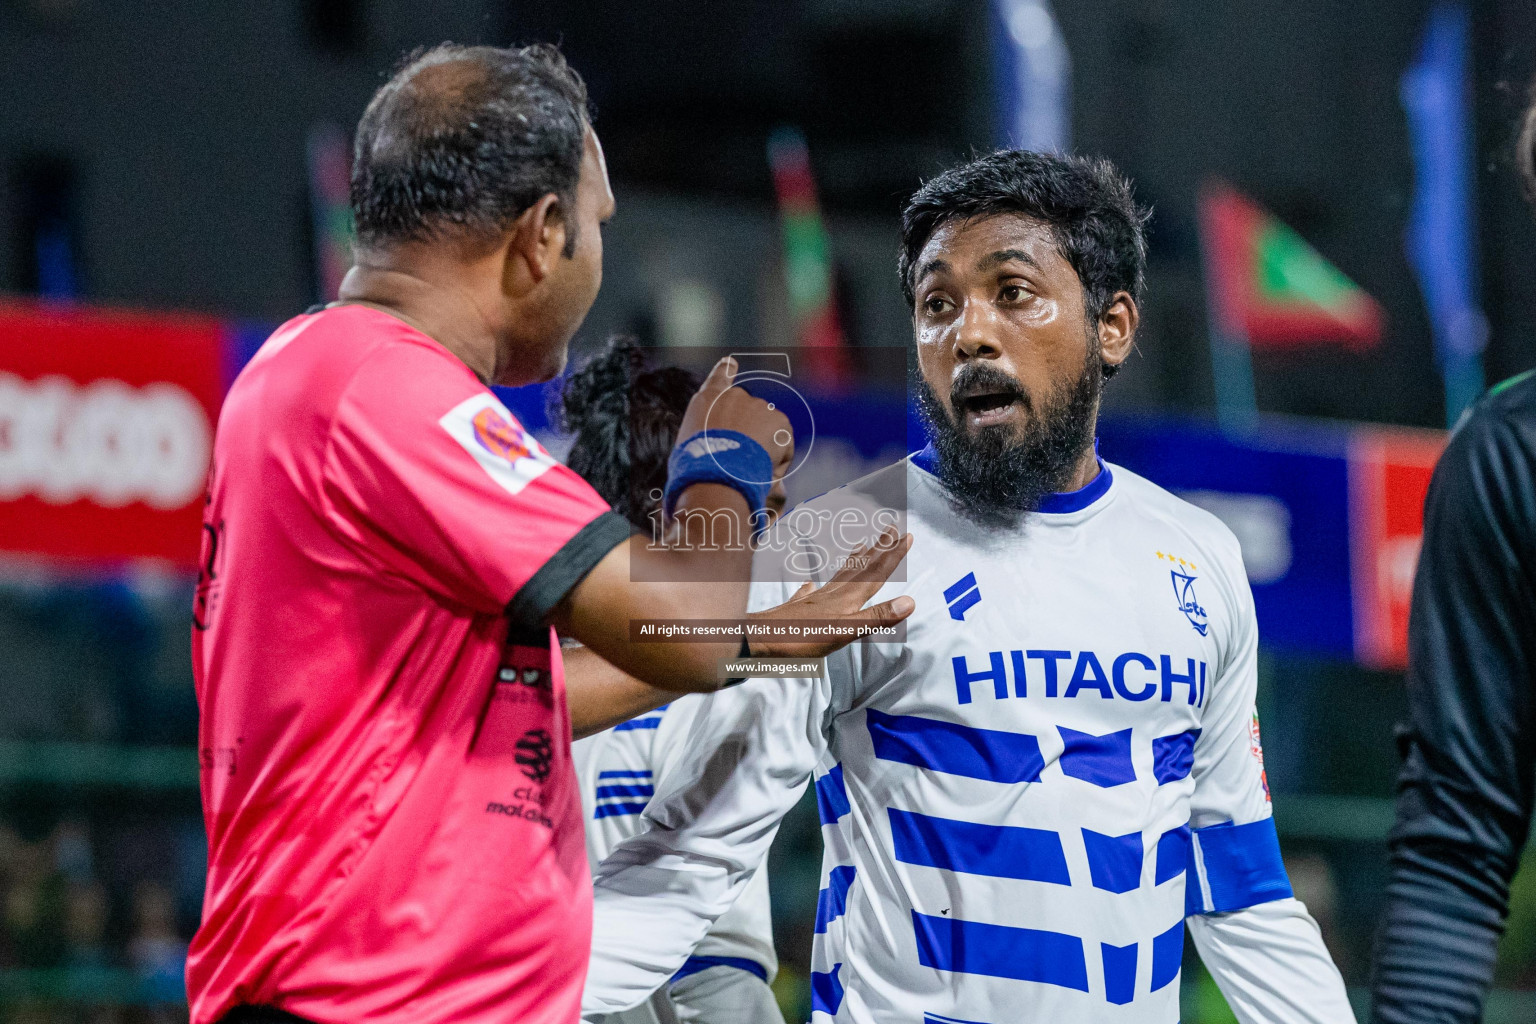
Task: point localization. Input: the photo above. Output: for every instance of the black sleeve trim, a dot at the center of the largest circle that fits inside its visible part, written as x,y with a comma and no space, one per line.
568,567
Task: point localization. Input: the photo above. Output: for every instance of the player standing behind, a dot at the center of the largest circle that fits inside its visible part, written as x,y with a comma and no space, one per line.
394,828
1023,802
1465,792
625,418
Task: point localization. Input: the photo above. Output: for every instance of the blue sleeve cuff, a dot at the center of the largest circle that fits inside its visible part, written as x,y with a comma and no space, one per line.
1235,866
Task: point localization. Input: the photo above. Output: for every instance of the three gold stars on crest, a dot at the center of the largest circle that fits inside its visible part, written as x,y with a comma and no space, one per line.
1173,558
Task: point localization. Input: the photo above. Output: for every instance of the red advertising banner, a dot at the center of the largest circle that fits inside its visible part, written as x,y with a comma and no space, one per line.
106,429
1389,473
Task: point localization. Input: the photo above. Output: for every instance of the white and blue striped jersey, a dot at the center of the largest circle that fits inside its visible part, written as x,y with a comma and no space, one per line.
618,771
1021,802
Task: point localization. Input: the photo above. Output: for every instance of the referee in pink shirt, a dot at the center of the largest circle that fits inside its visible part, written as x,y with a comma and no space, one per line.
393,822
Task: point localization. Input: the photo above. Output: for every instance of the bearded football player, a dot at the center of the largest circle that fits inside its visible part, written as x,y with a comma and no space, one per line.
1027,801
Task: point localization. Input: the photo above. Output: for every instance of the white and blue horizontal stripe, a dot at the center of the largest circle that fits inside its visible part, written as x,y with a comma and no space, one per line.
622,792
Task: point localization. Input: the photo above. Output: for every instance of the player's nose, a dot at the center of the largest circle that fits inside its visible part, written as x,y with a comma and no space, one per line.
976,333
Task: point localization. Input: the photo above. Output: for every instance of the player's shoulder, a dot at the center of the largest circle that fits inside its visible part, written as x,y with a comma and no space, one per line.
1493,444
1162,510
1504,417
1513,397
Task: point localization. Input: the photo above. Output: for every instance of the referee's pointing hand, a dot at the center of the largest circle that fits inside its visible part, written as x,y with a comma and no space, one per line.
721,406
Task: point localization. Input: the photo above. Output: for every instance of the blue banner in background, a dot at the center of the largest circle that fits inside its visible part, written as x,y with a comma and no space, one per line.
1285,493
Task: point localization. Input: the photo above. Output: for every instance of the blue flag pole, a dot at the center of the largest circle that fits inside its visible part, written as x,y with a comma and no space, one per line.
1034,77
1441,237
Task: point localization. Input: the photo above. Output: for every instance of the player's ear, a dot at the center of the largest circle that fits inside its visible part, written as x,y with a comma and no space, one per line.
1117,329
537,241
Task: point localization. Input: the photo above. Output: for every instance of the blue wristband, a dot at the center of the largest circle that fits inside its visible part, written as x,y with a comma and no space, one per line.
721,457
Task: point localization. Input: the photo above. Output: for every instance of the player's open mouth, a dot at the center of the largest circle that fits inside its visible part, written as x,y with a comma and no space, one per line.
989,408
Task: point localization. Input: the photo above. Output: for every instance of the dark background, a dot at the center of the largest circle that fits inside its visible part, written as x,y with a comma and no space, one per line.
170,138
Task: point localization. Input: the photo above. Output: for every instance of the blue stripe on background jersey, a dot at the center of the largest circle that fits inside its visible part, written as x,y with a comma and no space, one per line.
1119,972
1172,854
826,991
695,964
1167,956
1114,862
1102,760
617,809
1173,756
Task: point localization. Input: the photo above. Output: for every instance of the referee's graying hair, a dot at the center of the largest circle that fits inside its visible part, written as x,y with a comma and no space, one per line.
462,139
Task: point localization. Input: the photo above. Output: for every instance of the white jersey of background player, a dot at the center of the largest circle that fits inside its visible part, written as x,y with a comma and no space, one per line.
734,962
623,417
1022,802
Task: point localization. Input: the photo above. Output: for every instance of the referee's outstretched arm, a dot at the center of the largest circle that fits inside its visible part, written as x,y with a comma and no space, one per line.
1465,792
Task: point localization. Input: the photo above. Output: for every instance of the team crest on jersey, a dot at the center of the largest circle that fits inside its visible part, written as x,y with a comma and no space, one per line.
1183,579
491,434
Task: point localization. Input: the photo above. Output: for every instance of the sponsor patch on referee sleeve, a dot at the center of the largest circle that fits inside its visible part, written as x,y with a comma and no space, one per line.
491,434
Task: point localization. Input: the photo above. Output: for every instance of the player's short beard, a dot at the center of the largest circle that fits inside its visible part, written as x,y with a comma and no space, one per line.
998,475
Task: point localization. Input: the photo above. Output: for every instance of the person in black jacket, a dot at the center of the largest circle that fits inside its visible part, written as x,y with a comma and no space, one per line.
1466,788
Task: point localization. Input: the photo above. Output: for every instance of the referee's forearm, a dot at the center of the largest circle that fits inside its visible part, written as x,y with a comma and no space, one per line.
702,575
601,695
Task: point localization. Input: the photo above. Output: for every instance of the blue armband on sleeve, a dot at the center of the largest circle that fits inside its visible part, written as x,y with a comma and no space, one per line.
721,457
1235,866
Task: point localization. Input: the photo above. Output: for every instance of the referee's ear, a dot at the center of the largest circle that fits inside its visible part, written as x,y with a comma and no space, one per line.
536,241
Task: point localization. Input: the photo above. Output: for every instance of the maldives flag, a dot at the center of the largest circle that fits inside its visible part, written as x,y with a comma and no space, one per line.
808,272
1266,284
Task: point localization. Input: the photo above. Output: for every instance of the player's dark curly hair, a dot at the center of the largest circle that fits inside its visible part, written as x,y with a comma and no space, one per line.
625,417
1087,204
462,139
